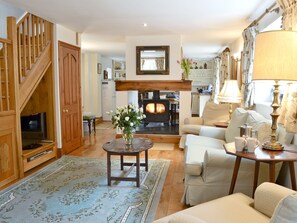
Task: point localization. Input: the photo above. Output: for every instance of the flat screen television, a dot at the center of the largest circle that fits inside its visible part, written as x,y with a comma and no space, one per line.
34,127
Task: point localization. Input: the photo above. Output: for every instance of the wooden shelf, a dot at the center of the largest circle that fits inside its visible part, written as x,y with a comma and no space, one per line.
149,85
35,157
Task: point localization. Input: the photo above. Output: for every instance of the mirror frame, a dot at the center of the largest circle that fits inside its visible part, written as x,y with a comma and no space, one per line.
152,72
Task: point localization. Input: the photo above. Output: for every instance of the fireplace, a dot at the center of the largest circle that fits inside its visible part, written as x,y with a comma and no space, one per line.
156,109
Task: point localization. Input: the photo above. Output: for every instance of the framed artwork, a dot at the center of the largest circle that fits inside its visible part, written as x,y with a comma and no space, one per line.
99,68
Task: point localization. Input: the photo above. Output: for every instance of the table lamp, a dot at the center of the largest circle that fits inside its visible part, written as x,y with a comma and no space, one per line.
275,59
230,94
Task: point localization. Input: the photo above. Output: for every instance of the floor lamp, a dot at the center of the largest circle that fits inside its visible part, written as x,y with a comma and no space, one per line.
275,59
230,94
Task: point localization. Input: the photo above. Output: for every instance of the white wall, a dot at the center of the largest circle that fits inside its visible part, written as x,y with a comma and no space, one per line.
91,84
66,35
174,41
7,9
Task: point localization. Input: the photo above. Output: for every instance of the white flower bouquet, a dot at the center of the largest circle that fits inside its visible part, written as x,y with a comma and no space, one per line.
127,118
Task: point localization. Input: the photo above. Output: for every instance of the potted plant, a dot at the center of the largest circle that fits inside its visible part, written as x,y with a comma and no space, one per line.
185,64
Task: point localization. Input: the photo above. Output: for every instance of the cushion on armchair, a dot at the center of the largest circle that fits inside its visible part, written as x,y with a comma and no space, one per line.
286,210
238,118
215,113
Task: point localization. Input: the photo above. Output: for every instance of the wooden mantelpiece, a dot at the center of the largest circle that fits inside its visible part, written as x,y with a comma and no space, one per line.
150,85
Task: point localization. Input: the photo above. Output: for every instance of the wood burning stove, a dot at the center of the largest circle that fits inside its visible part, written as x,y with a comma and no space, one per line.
156,109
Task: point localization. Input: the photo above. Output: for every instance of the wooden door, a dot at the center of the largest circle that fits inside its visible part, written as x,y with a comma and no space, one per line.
70,97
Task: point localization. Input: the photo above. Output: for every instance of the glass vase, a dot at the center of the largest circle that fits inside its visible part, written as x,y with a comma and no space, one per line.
128,135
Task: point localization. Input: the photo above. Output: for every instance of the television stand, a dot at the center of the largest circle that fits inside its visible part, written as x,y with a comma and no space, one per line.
36,156
32,146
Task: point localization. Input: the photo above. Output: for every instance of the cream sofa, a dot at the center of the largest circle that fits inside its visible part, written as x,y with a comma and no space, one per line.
272,203
212,113
208,169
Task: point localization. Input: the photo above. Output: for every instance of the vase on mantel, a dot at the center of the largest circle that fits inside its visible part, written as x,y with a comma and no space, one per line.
128,136
185,75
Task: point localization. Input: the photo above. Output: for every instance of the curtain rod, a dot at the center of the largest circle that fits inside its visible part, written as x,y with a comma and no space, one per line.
268,10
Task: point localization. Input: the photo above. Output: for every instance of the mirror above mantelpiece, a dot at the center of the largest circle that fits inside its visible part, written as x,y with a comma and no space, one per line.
152,60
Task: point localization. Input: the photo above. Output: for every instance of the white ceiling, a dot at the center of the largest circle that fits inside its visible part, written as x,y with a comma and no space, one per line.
206,27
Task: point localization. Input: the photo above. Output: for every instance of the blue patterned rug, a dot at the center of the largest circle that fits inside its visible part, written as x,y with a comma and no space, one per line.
74,189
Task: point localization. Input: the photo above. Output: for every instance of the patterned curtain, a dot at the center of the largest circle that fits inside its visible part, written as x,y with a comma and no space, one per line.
290,89
289,22
290,14
247,88
224,66
216,80
160,63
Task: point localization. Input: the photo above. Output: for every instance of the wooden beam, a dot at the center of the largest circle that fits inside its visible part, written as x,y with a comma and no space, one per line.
150,85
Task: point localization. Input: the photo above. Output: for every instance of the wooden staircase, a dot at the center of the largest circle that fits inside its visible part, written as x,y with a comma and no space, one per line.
25,57
34,36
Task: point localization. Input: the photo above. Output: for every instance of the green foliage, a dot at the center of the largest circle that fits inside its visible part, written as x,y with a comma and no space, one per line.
127,118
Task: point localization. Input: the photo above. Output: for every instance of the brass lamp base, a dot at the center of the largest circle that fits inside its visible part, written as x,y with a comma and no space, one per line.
277,146
273,144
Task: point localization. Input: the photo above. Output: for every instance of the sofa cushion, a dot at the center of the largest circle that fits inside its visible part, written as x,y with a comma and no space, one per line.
284,137
261,124
185,218
215,113
286,210
238,118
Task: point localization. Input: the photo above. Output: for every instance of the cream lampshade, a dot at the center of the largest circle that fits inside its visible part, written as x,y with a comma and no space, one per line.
275,59
230,94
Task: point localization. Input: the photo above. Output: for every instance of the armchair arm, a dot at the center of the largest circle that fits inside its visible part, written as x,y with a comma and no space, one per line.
268,195
213,132
194,121
217,166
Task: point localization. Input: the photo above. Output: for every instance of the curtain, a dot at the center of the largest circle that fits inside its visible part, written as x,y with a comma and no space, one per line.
290,14
289,22
216,80
224,66
286,102
160,63
247,88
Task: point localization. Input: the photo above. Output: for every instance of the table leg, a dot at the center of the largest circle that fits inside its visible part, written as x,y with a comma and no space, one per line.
89,124
146,160
235,173
94,123
122,161
137,170
108,169
256,175
272,172
292,173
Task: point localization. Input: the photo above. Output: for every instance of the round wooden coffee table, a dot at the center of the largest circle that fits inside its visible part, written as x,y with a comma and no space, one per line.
117,147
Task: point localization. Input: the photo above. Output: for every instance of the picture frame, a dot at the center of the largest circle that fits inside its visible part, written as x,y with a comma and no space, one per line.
99,68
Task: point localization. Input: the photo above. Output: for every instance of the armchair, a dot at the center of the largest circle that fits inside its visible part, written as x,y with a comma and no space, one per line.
212,113
208,169
272,203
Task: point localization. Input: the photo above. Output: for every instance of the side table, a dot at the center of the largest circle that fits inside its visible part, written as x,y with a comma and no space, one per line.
117,147
265,156
89,120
